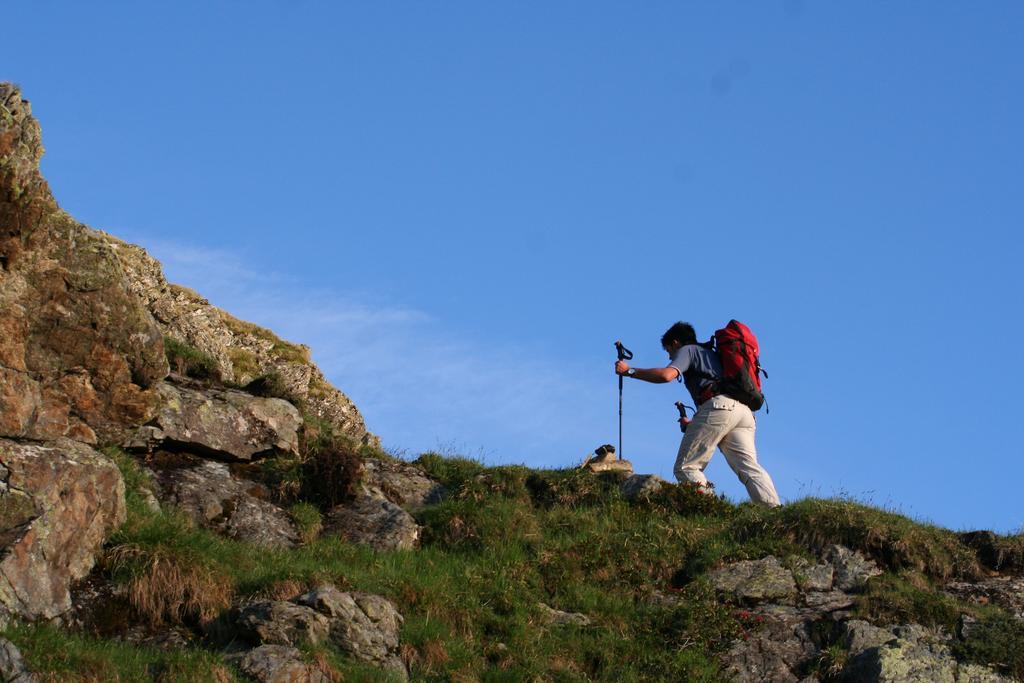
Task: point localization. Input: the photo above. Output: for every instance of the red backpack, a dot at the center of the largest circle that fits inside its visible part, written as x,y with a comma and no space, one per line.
738,351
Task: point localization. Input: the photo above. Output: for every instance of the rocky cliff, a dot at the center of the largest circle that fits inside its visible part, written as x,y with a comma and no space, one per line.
87,325
84,318
184,497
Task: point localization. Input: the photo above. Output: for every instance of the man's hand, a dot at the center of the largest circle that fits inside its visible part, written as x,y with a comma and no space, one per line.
621,367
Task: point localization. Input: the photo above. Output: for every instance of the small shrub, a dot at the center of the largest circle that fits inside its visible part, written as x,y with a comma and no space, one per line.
270,385
188,360
331,476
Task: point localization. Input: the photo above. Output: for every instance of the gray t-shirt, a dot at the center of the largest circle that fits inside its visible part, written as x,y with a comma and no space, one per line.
693,362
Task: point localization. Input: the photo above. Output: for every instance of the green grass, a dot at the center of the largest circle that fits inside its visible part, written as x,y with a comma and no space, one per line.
186,359
510,538
282,350
61,656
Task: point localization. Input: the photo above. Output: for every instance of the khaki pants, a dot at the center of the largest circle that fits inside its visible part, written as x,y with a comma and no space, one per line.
727,424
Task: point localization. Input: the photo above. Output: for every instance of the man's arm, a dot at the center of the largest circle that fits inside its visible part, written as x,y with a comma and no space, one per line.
652,375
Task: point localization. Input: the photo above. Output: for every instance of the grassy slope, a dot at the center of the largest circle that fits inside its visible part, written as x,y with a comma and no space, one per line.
507,539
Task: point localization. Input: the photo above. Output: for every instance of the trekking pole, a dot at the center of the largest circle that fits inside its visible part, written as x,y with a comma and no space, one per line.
624,354
684,421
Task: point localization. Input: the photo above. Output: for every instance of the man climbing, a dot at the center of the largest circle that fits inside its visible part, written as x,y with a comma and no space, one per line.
721,421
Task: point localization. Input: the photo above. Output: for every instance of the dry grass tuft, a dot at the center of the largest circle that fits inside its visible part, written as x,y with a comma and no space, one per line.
285,589
171,588
433,653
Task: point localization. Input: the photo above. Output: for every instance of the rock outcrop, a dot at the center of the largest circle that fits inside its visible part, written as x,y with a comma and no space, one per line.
798,612
363,626
403,484
219,423
216,499
277,664
79,353
375,522
241,351
58,503
83,317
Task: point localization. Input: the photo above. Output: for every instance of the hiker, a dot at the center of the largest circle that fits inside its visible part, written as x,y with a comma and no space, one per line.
721,421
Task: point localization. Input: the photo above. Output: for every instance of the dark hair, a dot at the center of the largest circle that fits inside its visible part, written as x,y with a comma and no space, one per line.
680,332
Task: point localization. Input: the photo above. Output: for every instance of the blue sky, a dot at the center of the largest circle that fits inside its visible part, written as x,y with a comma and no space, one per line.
461,206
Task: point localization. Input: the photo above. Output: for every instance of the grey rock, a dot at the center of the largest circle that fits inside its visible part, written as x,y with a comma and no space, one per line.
277,664
852,569
59,503
828,601
557,617
916,655
641,485
363,625
624,466
402,483
773,652
858,635
371,521
755,581
281,623
12,665
214,498
221,423
813,577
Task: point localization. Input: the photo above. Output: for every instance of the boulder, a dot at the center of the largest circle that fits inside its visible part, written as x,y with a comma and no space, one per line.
828,601
277,622
242,351
813,577
755,581
362,625
401,483
277,664
780,646
857,635
371,521
641,485
220,423
59,501
852,569
12,665
913,654
78,351
214,498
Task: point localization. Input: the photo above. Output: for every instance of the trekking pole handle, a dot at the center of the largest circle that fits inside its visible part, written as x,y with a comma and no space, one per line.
684,421
624,353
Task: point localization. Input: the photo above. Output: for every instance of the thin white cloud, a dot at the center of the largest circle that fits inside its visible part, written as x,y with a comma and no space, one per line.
418,382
